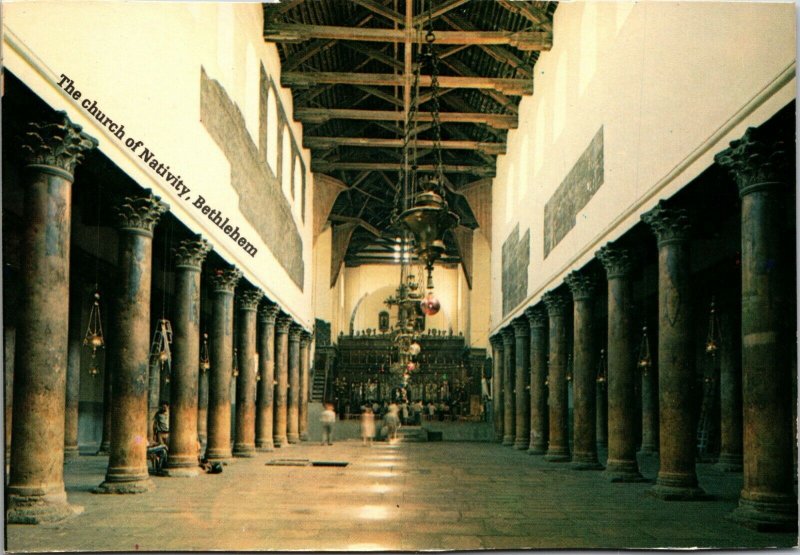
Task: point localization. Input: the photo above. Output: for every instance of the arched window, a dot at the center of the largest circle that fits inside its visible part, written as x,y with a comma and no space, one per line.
272,131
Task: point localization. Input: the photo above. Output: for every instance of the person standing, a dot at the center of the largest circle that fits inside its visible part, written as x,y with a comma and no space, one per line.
327,418
367,426
161,424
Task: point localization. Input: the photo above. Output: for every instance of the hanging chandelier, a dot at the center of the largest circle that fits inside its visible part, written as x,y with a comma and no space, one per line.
205,359
602,368
713,337
160,347
94,333
645,361
422,210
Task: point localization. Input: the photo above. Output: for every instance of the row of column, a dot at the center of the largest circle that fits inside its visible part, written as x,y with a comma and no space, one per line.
44,420
530,386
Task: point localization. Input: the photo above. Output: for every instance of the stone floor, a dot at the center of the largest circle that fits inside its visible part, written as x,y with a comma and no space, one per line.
412,496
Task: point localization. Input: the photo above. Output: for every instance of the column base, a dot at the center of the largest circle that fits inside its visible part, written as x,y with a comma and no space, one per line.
585,461
729,463
104,450
279,441
677,487
264,446
537,446
37,509
648,450
244,450
293,438
521,443
71,452
182,472
135,486
303,436
557,454
777,514
508,440
623,471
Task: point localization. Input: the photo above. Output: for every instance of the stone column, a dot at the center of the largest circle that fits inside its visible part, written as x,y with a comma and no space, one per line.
153,391
497,385
9,337
223,283
537,319
305,348
266,367
730,363
677,476
35,492
73,391
522,436
601,405
129,352
293,409
202,408
621,465
282,378
761,165
509,365
584,448
182,460
108,385
558,447
245,443
649,411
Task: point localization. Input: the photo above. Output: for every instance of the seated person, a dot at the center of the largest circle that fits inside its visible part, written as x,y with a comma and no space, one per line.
157,453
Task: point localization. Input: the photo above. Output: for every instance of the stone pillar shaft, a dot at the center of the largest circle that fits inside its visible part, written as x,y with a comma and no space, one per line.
305,348
730,353
128,354
649,411
266,387
761,165
202,408
584,454
9,340
621,465
35,492
73,372
293,408
182,460
497,386
108,387
537,317
523,369
677,477
282,378
245,444
218,446
509,365
558,447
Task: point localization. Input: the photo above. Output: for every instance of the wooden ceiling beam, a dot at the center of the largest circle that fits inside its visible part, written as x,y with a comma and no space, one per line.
380,94
381,10
358,221
374,54
502,55
517,87
526,10
325,167
295,32
371,142
437,12
322,115
295,60
275,9
466,71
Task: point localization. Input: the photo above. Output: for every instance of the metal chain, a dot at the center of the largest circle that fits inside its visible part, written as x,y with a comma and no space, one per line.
430,38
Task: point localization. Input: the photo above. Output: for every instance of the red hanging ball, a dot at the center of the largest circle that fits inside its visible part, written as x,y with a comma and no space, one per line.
430,305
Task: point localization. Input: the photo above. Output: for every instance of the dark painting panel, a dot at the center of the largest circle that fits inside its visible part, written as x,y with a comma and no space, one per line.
516,257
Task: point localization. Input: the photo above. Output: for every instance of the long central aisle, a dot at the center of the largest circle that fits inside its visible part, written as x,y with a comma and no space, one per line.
406,496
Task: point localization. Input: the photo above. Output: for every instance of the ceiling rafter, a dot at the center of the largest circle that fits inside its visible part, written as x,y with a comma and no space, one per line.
322,115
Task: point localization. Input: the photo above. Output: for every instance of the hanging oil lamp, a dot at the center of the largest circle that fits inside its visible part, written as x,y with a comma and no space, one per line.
645,361
712,339
205,360
94,333
602,368
159,350
569,368
235,362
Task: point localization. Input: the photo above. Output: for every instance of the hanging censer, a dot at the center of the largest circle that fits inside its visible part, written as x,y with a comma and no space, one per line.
205,360
645,361
94,333
159,350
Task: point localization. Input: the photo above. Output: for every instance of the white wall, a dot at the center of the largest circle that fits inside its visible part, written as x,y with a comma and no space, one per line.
140,61
671,84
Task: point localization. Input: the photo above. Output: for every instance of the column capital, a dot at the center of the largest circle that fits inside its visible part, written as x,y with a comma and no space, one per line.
508,336
141,213
616,261
190,253
556,303
537,316
305,338
580,285
249,299
282,323
521,327
58,144
496,340
295,332
756,161
224,280
671,225
267,313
